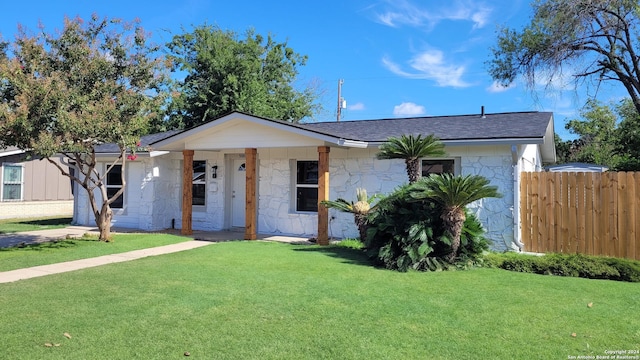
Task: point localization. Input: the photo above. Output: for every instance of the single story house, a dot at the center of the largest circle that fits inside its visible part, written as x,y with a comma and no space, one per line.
32,187
267,176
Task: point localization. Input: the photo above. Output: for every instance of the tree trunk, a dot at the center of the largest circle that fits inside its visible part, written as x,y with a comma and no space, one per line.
361,223
413,169
103,220
454,221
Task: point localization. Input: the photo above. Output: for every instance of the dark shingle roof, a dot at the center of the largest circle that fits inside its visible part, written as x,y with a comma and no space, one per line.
461,127
514,125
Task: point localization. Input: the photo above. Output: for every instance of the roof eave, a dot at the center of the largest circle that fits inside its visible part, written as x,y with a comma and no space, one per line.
180,138
11,152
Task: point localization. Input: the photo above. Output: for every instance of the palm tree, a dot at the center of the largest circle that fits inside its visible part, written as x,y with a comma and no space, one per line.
453,194
411,148
359,209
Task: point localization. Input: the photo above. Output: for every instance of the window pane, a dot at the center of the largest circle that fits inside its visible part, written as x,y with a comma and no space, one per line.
12,174
307,172
199,170
198,194
119,202
114,177
11,192
437,167
306,199
199,186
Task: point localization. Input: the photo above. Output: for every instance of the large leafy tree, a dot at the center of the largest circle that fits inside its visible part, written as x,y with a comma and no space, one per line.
607,135
63,93
596,39
627,138
453,194
224,73
411,148
597,135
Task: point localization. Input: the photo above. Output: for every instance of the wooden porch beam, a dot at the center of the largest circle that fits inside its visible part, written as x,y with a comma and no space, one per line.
187,192
250,232
323,194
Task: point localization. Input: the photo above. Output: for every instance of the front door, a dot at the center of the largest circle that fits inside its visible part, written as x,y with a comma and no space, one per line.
238,193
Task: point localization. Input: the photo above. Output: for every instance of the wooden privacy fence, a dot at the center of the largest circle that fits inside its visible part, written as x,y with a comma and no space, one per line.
587,213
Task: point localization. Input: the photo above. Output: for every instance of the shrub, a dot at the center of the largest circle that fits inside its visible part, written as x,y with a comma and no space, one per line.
405,233
575,265
350,244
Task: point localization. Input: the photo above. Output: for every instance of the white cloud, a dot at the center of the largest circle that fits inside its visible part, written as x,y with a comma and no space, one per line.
497,88
356,106
430,65
408,108
404,12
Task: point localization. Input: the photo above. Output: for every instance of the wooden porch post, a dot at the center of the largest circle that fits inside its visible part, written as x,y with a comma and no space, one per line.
187,191
323,194
250,207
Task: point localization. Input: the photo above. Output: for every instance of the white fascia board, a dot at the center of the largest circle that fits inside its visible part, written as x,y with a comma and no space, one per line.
156,153
182,137
353,143
11,152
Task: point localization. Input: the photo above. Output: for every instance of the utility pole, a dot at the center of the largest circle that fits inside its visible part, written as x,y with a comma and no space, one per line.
340,101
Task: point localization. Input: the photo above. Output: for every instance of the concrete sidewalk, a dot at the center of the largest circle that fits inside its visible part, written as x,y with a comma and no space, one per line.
43,270
201,238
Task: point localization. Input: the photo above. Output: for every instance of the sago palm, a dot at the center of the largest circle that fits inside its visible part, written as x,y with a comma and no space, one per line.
453,194
411,148
359,209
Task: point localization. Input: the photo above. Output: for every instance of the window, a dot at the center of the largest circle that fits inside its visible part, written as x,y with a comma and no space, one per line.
438,167
12,182
199,182
114,183
307,186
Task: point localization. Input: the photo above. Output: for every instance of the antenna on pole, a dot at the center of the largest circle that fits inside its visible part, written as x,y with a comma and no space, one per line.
342,103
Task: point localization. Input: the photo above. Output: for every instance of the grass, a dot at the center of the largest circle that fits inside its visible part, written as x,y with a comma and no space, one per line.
73,249
257,300
8,226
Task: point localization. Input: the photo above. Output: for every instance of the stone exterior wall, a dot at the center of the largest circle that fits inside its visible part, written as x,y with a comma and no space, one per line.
157,201
276,213
496,215
29,209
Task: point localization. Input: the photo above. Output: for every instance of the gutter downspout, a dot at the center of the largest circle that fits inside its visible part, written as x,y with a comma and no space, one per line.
516,197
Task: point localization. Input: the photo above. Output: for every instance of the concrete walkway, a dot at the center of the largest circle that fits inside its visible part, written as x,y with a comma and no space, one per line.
43,270
201,238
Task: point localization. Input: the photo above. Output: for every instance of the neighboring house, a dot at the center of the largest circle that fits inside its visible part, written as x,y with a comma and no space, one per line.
576,167
267,176
32,188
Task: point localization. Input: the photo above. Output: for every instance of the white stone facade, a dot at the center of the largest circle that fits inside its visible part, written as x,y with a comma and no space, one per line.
153,197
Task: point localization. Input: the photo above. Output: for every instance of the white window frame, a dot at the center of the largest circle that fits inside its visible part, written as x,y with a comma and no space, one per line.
456,164
296,186
115,186
3,183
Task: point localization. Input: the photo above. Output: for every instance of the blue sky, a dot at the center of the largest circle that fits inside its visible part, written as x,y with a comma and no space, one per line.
397,57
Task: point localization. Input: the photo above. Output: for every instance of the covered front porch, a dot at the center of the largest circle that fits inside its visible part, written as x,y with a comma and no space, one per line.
269,154
251,199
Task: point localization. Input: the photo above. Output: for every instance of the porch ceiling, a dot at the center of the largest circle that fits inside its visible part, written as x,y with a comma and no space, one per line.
243,131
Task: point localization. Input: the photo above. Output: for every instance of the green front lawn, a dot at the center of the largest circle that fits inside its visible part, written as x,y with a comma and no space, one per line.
73,249
257,300
8,226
